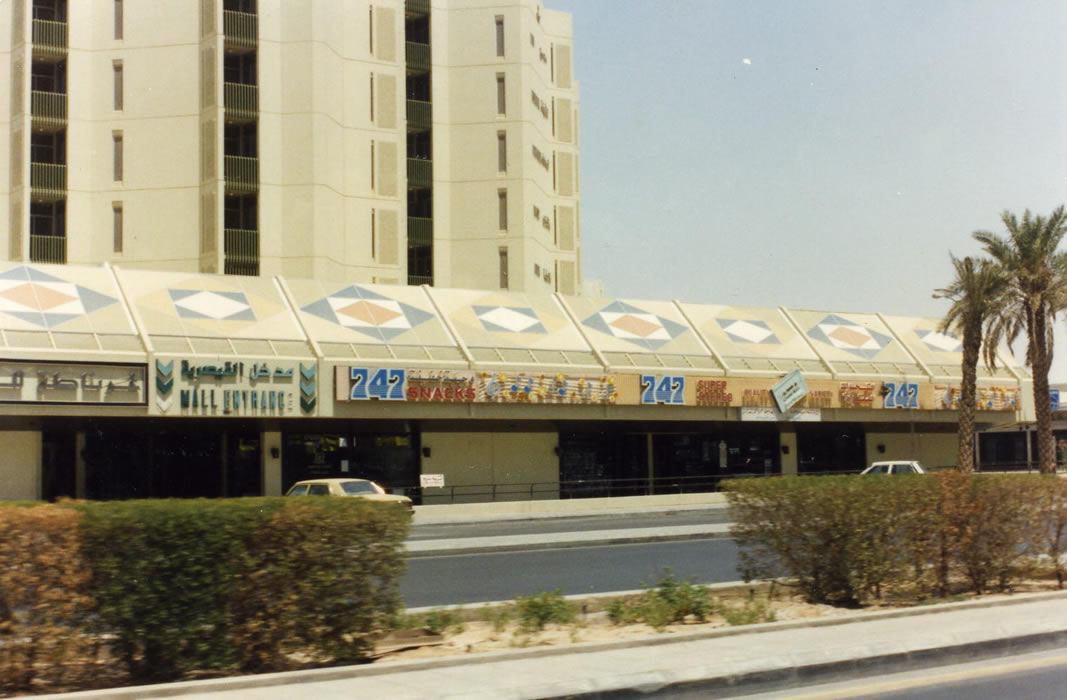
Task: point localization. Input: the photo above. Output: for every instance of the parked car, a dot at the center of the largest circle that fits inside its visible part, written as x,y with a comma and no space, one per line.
359,488
895,467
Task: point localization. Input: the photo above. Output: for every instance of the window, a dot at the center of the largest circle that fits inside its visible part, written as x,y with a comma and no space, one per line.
501,103
116,140
499,35
503,252
502,202
372,97
118,19
116,225
117,70
373,234
501,151
372,165
370,26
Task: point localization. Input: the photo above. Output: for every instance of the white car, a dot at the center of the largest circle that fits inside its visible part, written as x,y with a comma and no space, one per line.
895,467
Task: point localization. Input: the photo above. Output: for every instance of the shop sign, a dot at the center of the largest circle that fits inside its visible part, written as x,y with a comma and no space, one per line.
432,481
713,392
656,389
856,394
772,415
459,386
900,395
988,398
789,390
1054,399
72,383
235,388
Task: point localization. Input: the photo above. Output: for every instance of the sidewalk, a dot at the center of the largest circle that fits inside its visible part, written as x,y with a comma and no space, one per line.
716,663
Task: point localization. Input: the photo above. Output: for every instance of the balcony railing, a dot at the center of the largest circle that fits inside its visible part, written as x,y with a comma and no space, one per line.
420,231
242,251
420,279
242,174
241,29
417,7
417,56
49,36
48,181
49,109
420,173
420,115
48,249
242,101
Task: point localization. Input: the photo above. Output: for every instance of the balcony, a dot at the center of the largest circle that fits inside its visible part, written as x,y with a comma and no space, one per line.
49,110
420,173
242,174
415,280
420,115
49,39
417,56
241,30
416,8
48,249
242,102
241,248
48,181
420,231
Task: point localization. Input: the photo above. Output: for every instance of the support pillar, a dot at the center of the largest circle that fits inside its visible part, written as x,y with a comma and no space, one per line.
271,465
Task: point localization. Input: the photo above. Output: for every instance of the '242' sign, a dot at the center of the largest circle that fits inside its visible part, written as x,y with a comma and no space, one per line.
901,395
657,389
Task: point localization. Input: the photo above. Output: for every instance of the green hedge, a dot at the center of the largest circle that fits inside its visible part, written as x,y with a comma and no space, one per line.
845,539
175,586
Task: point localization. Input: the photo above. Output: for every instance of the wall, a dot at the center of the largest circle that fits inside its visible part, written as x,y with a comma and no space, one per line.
20,468
932,450
474,459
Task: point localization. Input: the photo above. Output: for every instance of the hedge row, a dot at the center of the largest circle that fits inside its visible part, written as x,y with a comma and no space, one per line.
174,586
846,539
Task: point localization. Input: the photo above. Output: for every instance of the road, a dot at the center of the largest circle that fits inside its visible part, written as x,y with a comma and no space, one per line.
456,579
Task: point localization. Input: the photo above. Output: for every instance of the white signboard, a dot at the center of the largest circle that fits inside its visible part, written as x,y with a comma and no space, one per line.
71,383
432,481
796,415
789,390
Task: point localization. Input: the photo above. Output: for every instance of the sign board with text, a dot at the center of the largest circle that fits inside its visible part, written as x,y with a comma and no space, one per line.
72,383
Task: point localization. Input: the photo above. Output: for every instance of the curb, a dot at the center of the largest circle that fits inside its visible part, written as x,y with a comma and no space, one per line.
639,687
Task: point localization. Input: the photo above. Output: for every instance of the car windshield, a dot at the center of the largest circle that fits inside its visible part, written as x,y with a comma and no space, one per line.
298,490
355,488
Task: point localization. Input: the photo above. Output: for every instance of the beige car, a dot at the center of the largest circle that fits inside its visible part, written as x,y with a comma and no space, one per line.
360,488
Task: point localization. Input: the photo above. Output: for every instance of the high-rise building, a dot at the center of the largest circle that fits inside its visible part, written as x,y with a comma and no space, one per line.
422,142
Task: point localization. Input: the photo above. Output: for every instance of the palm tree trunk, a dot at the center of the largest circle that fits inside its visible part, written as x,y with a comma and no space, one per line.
972,344
1046,447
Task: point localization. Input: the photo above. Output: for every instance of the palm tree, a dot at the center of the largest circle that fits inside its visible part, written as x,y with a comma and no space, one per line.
1037,292
977,295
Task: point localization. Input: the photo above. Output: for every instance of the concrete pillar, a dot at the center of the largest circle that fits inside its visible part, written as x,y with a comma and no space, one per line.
271,445
20,469
787,441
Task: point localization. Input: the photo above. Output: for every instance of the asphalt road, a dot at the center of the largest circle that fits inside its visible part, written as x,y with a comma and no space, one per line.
470,579
493,528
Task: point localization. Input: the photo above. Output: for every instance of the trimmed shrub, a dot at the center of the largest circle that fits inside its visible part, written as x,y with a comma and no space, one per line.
44,599
1050,532
536,611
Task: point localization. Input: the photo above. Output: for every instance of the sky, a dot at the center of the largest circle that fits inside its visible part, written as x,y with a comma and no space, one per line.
815,154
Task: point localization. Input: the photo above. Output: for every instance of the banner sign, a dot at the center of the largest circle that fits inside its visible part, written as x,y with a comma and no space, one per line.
72,383
789,391
235,388
432,481
461,386
988,398
1054,399
795,415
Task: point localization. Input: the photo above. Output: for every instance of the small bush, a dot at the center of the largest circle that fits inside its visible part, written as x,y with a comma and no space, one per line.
751,613
669,601
439,621
538,610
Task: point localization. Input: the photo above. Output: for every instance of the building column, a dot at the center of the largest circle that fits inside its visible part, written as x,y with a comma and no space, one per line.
270,455
787,444
20,473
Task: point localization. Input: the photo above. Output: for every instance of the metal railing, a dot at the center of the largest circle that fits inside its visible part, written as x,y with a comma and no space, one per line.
241,101
240,28
420,231
242,174
241,247
417,56
420,114
50,36
416,280
49,109
420,172
48,249
48,180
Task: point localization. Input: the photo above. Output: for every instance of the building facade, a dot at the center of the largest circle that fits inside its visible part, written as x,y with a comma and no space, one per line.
385,142
120,383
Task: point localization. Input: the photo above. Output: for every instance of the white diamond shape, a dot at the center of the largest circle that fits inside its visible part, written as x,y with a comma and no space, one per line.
509,318
212,305
941,341
749,331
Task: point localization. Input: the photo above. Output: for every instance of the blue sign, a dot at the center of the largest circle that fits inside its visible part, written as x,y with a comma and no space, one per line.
902,395
1054,399
657,389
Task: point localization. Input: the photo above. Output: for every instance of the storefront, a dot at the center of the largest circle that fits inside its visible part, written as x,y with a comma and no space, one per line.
122,384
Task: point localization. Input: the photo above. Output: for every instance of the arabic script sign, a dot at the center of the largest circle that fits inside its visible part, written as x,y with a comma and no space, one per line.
235,388
459,386
70,383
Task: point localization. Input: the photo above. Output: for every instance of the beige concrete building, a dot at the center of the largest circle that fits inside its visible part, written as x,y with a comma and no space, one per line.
427,141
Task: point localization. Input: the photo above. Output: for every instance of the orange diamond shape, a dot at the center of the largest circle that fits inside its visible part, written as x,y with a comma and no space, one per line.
369,313
637,326
849,336
37,297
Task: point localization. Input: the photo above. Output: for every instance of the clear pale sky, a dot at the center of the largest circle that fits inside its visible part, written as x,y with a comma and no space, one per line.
820,154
